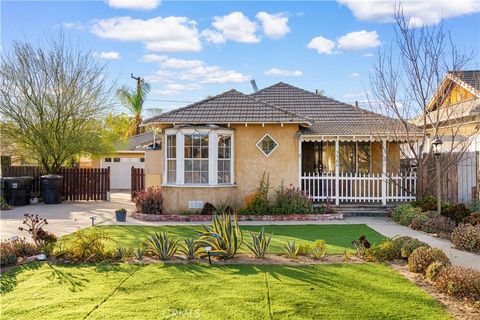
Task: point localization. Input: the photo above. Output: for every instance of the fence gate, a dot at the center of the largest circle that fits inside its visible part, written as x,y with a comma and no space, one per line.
85,183
138,180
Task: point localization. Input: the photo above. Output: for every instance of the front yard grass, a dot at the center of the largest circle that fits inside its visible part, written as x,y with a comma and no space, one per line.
200,291
338,237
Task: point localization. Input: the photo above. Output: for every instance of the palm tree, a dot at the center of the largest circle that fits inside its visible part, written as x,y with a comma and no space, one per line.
133,100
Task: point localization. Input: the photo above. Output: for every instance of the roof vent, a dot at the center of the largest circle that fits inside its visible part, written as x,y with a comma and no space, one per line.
254,85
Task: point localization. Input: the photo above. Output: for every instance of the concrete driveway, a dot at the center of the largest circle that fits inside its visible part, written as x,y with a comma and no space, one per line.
66,217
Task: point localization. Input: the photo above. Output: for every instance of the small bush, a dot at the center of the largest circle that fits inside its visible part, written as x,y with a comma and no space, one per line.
189,249
208,209
460,282
409,246
291,250
419,221
304,249
398,243
257,202
319,249
88,246
473,218
422,257
292,200
361,245
161,246
433,270
405,213
466,237
122,253
439,225
385,251
224,236
456,211
260,244
149,201
427,203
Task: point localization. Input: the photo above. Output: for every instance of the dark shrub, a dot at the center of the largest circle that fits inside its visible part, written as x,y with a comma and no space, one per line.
456,211
439,224
427,203
404,214
419,221
208,209
409,246
149,201
466,237
473,218
460,282
292,200
10,250
422,257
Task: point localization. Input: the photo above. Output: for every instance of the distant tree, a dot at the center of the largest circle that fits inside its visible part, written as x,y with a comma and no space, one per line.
119,126
134,99
51,100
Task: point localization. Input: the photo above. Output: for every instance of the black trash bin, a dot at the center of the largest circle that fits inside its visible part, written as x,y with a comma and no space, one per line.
17,190
51,186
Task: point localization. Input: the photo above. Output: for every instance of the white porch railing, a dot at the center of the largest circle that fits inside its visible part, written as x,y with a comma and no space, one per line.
359,187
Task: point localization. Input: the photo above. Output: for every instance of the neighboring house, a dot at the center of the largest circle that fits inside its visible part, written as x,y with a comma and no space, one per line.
455,111
217,150
129,152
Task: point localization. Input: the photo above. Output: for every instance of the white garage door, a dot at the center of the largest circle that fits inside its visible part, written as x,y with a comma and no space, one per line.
120,170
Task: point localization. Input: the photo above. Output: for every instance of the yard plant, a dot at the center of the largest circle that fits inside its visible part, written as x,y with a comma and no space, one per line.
161,245
259,244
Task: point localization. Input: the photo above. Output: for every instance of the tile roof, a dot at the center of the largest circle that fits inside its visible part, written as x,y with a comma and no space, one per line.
229,107
138,142
469,77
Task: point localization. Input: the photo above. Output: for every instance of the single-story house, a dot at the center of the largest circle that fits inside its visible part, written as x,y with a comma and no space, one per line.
217,149
129,152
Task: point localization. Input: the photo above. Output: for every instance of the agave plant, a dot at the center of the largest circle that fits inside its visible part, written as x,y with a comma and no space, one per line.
319,249
138,254
160,245
224,236
190,249
291,250
121,253
260,244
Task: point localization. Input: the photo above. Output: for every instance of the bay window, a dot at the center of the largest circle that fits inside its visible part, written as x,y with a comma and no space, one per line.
198,156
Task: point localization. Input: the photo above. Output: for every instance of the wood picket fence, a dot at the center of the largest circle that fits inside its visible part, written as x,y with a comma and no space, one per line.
138,180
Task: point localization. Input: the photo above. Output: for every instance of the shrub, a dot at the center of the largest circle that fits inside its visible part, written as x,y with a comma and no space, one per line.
419,221
404,214
260,244
385,251
433,270
208,209
121,253
161,246
422,257
456,211
292,200
397,243
138,254
224,236
88,245
439,224
460,282
361,245
466,237
189,249
257,202
34,226
319,249
304,249
473,218
10,250
291,250
427,203
409,246
149,201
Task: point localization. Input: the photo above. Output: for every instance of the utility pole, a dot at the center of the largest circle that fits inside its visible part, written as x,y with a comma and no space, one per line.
139,81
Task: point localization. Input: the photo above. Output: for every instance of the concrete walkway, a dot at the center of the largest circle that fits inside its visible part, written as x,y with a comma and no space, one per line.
72,216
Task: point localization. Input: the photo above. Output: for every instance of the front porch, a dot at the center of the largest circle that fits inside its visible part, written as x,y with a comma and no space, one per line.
354,170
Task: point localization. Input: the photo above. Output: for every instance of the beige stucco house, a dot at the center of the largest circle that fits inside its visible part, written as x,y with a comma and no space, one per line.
217,149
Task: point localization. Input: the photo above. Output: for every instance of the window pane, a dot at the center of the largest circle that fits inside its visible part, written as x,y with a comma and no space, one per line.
108,159
196,158
363,157
171,146
267,145
347,157
116,159
171,170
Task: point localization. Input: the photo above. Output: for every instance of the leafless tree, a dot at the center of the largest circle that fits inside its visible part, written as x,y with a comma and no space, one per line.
51,100
404,79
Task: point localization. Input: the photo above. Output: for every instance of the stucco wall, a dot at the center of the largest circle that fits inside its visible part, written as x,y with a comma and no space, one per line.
153,167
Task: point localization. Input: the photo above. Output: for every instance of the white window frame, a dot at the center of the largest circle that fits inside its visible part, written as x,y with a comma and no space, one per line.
170,159
229,159
260,148
212,156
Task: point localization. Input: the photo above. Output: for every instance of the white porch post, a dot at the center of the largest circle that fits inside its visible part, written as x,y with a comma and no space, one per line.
384,172
300,163
337,172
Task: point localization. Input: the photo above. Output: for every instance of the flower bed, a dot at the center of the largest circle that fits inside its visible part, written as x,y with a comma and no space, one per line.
197,217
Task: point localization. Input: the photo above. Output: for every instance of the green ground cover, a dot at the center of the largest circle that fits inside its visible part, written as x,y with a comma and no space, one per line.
200,291
338,237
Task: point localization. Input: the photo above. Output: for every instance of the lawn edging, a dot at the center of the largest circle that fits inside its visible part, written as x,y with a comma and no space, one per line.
198,217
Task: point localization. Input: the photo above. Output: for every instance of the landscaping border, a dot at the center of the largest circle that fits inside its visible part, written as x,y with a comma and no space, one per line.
197,217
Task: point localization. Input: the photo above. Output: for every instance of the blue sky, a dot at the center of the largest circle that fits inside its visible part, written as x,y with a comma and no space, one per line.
189,50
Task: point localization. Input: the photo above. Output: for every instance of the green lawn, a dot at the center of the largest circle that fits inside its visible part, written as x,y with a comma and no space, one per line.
338,237
175,291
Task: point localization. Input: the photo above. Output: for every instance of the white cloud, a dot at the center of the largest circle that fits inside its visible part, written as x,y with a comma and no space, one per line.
172,89
213,36
236,27
354,75
73,25
419,12
198,71
169,34
134,4
322,45
153,57
358,40
274,25
283,72
368,55
108,55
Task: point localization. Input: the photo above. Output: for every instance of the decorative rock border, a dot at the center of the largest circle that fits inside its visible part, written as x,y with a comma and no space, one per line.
197,217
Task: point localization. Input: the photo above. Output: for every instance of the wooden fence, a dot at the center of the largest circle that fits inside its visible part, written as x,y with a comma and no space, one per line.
78,183
138,180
